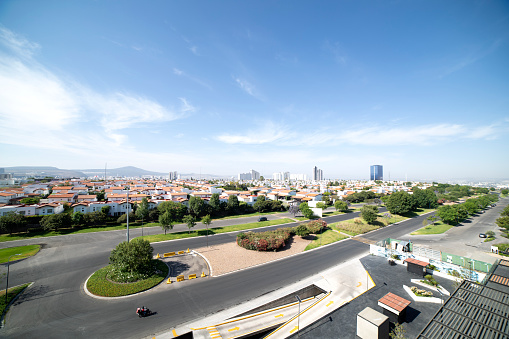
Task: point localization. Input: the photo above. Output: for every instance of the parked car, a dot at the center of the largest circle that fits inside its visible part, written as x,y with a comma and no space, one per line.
262,219
482,235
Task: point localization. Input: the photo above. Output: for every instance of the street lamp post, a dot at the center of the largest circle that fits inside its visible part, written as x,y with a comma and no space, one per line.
298,317
128,205
7,280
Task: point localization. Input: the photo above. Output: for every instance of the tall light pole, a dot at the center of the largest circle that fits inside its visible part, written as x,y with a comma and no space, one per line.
298,317
128,205
7,280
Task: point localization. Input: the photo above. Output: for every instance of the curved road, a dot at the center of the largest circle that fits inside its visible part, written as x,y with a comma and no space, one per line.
56,305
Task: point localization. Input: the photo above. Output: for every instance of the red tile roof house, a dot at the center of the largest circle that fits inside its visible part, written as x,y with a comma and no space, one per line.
88,197
6,197
46,209
70,197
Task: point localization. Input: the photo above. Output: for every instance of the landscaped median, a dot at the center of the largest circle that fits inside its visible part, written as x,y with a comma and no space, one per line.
438,228
99,284
11,294
23,251
215,230
131,270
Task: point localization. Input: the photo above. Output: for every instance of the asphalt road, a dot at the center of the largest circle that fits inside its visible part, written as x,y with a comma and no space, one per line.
464,239
56,305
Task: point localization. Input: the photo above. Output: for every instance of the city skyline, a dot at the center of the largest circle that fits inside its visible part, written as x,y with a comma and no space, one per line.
220,88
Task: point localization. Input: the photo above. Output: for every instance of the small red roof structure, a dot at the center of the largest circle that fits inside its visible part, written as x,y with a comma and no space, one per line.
416,262
393,301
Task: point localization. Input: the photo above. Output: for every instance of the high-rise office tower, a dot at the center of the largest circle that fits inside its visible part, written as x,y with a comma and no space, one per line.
376,172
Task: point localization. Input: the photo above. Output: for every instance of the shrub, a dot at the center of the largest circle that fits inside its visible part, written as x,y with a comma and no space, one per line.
131,261
264,241
302,230
316,226
428,279
421,293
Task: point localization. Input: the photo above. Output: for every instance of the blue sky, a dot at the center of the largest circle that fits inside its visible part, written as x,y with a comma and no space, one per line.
222,87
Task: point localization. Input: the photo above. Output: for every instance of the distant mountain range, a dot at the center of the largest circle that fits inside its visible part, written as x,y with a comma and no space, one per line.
128,171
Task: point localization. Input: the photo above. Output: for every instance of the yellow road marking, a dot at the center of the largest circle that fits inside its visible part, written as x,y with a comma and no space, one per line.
174,333
294,329
329,303
279,315
359,284
234,329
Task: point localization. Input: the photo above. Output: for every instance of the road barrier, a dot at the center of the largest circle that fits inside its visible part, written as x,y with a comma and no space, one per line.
169,281
169,254
192,276
203,274
180,278
158,256
180,252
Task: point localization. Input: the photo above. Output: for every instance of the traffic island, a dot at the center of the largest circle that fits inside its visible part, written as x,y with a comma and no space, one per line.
100,285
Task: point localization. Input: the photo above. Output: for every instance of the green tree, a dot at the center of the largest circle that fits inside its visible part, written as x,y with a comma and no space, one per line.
215,203
142,211
12,221
106,210
260,204
305,210
207,220
399,203
166,221
30,201
321,205
503,222
504,191
77,218
135,256
55,221
189,221
302,230
341,206
176,210
448,214
196,206
369,214
233,203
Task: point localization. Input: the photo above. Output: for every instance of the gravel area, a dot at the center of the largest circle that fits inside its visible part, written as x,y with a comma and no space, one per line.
220,257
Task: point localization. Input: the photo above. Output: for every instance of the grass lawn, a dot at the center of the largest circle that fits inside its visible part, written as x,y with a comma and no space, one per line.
25,251
12,292
357,226
438,228
327,237
216,230
99,285
248,215
353,234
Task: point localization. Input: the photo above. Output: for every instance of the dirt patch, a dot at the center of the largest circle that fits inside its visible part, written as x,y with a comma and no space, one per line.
231,257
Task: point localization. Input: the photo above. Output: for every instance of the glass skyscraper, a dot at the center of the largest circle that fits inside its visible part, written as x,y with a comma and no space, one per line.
376,172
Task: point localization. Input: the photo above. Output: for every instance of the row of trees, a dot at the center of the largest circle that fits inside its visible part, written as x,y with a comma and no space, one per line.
503,220
402,202
454,214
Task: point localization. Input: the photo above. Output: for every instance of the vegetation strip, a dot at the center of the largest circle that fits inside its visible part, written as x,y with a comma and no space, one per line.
100,285
216,230
11,294
25,251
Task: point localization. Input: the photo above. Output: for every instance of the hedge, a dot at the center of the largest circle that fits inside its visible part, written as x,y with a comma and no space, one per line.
264,241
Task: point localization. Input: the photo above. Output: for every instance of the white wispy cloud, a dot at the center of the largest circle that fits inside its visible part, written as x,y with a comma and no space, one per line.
247,87
471,58
181,73
17,43
40,109
422,135
268,132
337,51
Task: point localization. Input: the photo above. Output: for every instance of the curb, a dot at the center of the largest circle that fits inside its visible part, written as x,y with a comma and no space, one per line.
2,318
